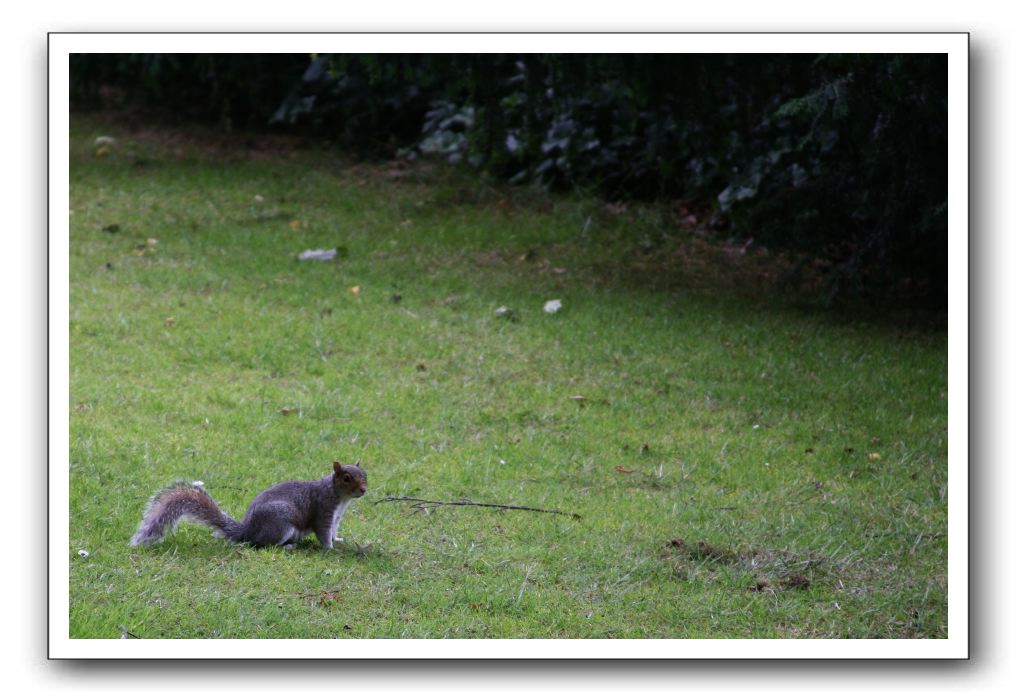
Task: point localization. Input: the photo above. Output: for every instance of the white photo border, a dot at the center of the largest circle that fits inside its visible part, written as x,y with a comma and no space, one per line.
955,45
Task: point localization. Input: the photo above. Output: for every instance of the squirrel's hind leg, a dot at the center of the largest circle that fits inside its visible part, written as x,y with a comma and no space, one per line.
267,528
285,536
289,537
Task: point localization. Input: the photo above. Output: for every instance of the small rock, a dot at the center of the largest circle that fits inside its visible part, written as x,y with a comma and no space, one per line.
320,255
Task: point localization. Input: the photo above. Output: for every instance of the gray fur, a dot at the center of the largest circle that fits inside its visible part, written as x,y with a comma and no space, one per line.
176,502
280,515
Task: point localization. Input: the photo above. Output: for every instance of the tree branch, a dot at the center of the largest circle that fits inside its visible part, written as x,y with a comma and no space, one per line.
420,503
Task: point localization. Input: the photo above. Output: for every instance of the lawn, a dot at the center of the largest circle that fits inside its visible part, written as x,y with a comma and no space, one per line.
742,467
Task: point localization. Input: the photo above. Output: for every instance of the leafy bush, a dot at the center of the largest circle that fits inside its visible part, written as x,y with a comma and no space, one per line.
837,156
857,172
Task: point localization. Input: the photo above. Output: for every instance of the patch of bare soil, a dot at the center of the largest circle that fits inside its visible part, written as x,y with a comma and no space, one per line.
769,570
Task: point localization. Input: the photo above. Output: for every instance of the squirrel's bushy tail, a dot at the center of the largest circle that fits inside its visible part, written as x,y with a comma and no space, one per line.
182,500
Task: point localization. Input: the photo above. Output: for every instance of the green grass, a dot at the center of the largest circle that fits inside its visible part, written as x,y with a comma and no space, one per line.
781,474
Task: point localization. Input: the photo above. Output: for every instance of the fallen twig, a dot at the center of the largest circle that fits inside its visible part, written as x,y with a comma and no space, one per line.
420,503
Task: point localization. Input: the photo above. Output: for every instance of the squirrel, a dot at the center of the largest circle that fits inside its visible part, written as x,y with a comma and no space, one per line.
280,515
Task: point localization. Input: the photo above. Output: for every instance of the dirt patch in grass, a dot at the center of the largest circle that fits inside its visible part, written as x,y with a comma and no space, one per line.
770,570
701,551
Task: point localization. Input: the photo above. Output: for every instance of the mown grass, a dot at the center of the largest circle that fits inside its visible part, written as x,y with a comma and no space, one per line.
742,468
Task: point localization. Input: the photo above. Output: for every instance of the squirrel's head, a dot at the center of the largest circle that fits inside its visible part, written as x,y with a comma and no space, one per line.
349,479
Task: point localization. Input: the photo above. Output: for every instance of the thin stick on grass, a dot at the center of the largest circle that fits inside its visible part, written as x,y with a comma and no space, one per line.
421,503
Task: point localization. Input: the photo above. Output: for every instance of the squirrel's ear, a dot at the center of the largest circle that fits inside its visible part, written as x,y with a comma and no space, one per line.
357,463
337,467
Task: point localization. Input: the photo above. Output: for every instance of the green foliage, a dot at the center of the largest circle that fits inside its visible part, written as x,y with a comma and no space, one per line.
780,475
368,104
838,157
858,173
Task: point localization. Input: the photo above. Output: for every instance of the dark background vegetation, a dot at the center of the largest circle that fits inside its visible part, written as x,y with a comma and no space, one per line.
838,160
